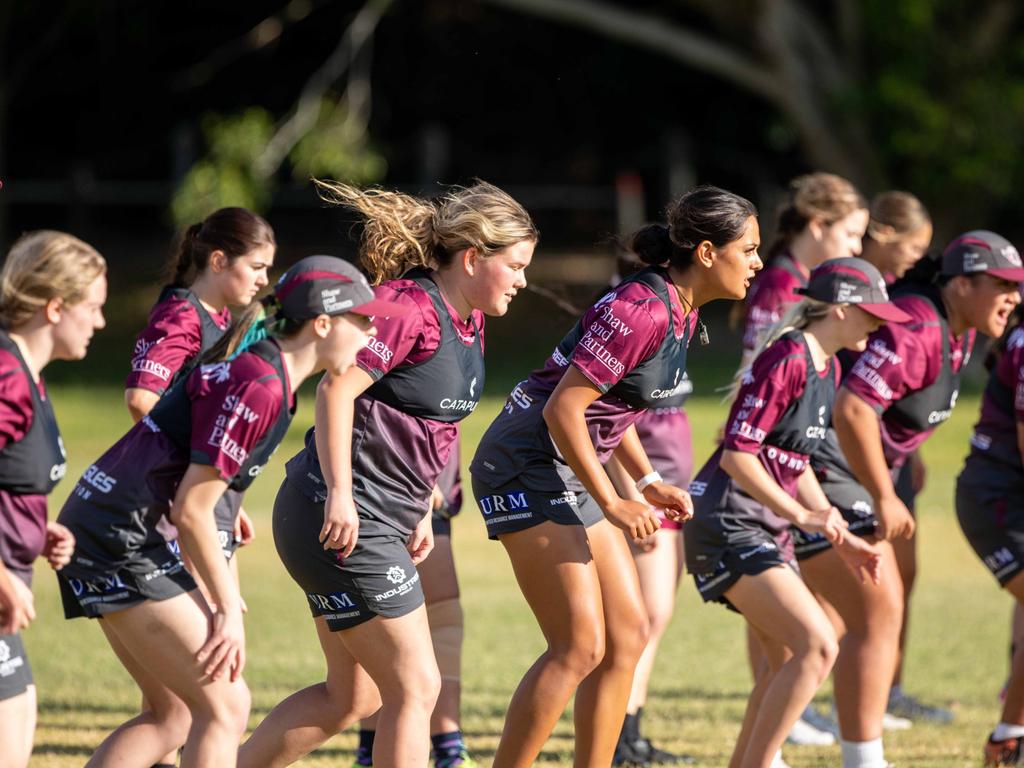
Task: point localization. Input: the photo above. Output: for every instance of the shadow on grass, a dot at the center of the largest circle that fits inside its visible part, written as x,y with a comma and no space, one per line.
62,749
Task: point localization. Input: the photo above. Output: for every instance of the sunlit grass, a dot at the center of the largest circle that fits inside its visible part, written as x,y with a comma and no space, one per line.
958,638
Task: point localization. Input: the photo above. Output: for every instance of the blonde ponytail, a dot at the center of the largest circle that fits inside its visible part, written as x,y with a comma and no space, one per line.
401,231
797,317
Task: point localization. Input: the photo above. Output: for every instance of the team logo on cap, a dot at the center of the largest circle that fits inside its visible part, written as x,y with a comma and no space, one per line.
846,293
332,302
1010,254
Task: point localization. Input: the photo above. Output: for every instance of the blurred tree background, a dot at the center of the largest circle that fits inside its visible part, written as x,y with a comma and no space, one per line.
123,120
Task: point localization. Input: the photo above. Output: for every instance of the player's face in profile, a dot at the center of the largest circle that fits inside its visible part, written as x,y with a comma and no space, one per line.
242,279
990,301
349,333
737,262
79,321
844,238
858,326
498,277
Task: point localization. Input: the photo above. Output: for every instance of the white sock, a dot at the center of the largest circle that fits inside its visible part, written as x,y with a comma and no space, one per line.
1005,731
862,754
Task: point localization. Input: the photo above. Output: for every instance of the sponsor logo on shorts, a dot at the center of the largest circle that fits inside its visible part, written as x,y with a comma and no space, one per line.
8,664
396,574
1001,562
503,502
766,546
333,601
567,497
862,508
106,589
168,569
401,589
698,487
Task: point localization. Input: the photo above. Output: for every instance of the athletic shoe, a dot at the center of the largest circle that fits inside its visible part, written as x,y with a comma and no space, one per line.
461,760
1001,754
891,722
627,754
655,756
821,722
904,705
778,762
805,734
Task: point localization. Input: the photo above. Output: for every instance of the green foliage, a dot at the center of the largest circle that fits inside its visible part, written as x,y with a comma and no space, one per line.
225,176
228,174
337,149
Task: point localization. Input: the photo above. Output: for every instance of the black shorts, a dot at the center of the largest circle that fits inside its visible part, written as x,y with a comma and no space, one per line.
15,671
226,513
992,519
857,508
748,560
441,522
511,507
377,579
155,572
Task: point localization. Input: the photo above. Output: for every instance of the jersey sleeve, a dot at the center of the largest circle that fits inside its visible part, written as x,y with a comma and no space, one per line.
228,420
894,364
15,400
399,338
618,333
777,378
173,337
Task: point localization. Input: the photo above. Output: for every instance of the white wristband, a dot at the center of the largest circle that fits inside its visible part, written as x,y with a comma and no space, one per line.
643,482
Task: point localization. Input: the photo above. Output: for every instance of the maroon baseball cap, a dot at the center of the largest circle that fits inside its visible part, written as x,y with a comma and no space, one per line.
327,285
980,251
853,281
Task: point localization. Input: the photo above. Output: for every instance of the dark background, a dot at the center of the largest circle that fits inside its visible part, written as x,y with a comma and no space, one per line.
102,107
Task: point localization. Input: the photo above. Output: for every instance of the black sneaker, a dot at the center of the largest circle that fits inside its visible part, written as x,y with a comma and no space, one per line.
1002,754
627,754
657,756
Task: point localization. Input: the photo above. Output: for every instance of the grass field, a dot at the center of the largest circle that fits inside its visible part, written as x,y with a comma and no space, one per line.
957,653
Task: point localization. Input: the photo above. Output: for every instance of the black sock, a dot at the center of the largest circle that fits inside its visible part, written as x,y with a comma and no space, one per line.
364,755
447,745
631,727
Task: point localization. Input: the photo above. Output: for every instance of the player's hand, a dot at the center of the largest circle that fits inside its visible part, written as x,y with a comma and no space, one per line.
421,541
17,607
224,649
636,518
675,501
828,521
245,531
894,519
341,523
59,546
861,557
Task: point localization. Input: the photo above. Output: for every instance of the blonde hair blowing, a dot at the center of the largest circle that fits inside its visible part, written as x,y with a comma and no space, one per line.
402,231
797,317
45,265
896,215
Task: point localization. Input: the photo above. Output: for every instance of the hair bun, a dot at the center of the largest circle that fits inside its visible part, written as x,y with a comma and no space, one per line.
652,244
